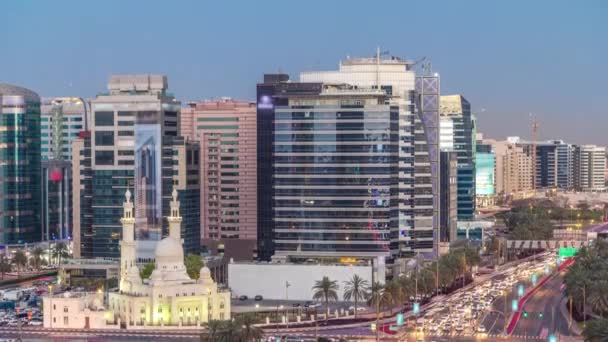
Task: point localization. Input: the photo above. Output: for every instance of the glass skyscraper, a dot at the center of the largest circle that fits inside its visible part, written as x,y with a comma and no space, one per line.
20,169
457,109
354,159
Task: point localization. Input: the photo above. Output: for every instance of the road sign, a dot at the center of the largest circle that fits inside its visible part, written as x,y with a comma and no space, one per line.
514,305
416,308
534,279
373,326
567,252
520,290
400,319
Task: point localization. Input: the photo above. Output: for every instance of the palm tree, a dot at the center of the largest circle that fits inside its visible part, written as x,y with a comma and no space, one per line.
596,331
60,251
577,281
396,292
378,297
355,289
20,260
5,265
249,332
598,294
325,290
36,258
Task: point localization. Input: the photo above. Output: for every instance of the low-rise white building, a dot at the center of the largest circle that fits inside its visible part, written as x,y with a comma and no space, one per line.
169,298
290,281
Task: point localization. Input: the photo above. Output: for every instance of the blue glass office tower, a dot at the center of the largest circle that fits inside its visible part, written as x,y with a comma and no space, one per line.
20,169
457,109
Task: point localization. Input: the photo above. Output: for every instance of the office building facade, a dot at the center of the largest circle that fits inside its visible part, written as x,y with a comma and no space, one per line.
62,120
589,167
457,110
133,143
449,197
20,168
226,131
369,133
485,168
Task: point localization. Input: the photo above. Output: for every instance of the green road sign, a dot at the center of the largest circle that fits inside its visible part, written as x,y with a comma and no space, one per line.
567,252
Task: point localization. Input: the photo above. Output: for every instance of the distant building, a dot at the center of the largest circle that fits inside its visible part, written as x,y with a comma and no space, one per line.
62,120
514,167
226,131
449,197
20,168
457,109
133,143
485,167
589,167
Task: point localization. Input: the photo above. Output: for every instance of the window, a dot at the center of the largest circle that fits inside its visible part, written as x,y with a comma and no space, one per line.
65,320
104,138
104,157
54,307
125,133
65,309
104,118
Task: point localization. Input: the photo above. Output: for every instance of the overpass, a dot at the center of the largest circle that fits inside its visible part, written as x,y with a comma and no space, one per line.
544,244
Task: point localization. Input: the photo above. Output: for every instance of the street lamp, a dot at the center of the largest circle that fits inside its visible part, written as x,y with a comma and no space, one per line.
51,304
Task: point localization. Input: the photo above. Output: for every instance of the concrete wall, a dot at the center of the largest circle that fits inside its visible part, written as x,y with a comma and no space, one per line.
269,280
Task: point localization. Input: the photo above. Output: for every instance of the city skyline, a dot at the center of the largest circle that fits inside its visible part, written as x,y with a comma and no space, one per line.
507,71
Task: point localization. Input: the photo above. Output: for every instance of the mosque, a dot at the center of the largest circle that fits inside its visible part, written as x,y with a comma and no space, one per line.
168,298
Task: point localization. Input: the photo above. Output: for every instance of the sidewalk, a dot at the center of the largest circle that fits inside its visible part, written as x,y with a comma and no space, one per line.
563,308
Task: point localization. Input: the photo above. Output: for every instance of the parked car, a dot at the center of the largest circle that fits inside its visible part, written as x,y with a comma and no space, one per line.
258,298
243,297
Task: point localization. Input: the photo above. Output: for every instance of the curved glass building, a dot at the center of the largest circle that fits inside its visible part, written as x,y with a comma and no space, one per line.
20,171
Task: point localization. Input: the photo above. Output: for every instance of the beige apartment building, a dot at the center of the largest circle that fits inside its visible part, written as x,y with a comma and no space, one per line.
226,130
514,167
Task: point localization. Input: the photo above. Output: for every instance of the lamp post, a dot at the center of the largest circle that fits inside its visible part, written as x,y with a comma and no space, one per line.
51,304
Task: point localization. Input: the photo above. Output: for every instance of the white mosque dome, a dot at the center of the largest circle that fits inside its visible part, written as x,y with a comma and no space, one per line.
169,251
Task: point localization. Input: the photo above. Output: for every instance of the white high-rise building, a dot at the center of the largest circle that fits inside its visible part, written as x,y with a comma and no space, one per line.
62,120
589,168
417,100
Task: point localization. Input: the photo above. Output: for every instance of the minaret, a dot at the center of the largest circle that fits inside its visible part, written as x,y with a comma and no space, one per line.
127,244
175,220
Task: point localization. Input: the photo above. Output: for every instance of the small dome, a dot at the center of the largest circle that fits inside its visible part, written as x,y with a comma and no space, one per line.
205,273
169,250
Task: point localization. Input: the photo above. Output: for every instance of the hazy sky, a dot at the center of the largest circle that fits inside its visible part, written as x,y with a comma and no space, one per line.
509,58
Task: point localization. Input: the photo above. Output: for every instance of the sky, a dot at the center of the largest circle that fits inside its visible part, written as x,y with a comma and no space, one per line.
513,60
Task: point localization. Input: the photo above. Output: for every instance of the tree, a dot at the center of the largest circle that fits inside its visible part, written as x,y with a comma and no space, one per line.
396,293
60,251
249,332
355,289
596,331
193,263
597,295
5,265
19,260
36,258
378,297
325,290
147,270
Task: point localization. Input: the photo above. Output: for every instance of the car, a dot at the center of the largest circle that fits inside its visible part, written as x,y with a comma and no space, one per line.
35,323
258,298
296,305
359,308
243,297
481,329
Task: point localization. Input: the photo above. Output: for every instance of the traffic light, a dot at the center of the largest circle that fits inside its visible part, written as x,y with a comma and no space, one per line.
525,314
416,308
540,315
399,319
552,338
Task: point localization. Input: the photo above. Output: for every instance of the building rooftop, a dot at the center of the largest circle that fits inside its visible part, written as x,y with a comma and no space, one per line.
9,89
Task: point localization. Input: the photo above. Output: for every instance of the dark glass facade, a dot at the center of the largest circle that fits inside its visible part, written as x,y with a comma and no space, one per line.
20,168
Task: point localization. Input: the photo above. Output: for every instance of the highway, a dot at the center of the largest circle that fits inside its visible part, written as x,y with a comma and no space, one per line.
545,302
